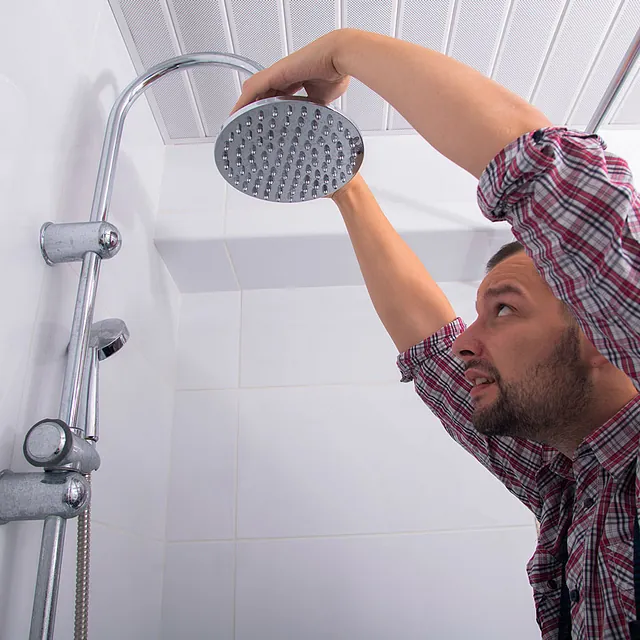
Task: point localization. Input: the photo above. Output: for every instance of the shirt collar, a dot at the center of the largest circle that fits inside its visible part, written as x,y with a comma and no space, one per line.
615,443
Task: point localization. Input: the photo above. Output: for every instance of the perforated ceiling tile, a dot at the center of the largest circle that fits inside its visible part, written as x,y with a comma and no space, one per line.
581,31
561,52
150,34
613,51
309,20
629,111
528,35
256,29
363,106
474,18
216,91
426,25
200,27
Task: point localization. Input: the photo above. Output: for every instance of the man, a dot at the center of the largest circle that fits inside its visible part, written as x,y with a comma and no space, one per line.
541,387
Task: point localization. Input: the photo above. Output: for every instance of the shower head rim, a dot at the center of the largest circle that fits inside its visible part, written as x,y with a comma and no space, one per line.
274,100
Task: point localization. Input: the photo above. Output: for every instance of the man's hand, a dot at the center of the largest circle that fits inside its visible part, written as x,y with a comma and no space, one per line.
312,68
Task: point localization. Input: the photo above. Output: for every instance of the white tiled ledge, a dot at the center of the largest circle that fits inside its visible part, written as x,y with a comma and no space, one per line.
214,238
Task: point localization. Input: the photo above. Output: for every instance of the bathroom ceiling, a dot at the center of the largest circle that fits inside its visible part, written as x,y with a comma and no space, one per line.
558,54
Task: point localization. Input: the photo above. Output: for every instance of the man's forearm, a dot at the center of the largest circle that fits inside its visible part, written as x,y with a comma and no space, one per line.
406,298
464,115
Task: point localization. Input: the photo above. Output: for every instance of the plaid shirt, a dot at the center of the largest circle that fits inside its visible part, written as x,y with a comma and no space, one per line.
573,206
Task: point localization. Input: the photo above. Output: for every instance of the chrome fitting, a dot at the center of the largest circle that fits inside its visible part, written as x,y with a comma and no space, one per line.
51,444
69,242
35,496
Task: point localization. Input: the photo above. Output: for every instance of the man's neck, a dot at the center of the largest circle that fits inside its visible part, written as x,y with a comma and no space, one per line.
594,417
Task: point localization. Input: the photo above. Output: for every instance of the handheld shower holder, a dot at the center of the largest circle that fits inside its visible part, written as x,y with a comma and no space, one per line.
52,444
63,489
70,241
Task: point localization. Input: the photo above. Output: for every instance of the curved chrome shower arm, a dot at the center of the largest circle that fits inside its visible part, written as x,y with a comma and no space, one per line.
113,133
48,579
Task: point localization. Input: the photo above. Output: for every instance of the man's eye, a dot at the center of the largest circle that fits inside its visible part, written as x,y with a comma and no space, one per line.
503,310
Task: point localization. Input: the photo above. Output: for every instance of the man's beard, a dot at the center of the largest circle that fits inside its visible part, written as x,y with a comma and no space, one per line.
553,395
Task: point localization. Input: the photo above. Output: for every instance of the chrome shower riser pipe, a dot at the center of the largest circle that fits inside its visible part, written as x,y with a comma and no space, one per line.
48,578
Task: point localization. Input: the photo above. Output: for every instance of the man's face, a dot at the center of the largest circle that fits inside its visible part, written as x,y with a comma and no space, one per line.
524,356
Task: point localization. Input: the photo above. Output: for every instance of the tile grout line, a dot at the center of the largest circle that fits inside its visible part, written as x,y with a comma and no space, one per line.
369,535
235,514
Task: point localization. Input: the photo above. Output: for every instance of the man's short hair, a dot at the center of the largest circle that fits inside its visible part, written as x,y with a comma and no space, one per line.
506,251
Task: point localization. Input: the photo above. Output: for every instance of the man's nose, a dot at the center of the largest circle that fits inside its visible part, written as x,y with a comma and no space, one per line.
467,346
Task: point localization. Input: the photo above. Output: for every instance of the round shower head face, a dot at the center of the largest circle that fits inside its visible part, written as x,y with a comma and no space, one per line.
288,149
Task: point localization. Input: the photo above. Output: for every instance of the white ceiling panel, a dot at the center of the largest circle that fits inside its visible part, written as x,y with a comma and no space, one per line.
530,27
309,20
580,36
561,54
428,26
476,32
257,29
612,52
151,37
362,105
200,27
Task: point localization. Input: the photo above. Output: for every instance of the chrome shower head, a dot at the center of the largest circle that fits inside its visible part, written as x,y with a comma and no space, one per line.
288,149
108,336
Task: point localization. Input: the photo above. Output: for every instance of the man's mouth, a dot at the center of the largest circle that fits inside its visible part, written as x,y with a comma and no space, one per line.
480,386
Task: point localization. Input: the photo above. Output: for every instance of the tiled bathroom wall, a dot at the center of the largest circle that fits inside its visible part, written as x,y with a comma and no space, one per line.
312,495
62,64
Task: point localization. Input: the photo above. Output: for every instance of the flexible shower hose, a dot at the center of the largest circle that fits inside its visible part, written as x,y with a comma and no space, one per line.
82,573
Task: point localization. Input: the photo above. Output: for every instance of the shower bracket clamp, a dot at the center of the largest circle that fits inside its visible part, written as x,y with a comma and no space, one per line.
70,241
52,444
36,496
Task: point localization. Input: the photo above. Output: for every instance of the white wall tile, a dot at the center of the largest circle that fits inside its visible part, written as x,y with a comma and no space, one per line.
454,585
338,460
462,296
136,418
192,184
193,248
19,560
126,586
292,262
202,489
406,167
209,341
313,336
199,592
251,217
55,95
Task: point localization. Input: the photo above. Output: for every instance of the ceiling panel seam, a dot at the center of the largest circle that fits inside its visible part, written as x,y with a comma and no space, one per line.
600,52
550,48
174,34
625,92
342,21
226,26
338,22
285,25
398,10
501,38
450,28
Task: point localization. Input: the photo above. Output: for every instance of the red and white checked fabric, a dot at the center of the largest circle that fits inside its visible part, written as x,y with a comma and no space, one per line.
573,206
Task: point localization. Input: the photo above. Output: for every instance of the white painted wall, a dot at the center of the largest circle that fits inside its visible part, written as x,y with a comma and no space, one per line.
61,66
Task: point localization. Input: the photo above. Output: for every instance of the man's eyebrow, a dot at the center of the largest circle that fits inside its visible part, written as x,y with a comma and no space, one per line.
494,292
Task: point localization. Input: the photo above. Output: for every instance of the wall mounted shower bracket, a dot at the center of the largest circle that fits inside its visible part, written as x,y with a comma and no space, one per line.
36,496
52,444
69,242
